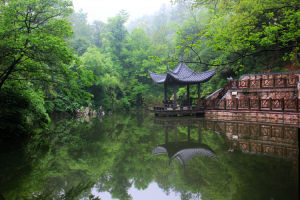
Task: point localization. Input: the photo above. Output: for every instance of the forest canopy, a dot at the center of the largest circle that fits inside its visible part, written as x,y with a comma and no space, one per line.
266,31
52,60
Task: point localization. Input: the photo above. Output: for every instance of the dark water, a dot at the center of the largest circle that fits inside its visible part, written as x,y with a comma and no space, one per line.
141,157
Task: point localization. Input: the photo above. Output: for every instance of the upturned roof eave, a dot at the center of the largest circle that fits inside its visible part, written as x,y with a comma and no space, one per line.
152,75
172,75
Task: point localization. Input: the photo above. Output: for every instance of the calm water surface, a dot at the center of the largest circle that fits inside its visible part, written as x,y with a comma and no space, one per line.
141,157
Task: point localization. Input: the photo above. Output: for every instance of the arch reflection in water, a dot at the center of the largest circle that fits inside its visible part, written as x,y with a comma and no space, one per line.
183,150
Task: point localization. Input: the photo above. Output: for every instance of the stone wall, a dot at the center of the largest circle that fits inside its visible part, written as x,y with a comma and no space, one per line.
273,97
284,118
283,86
298,86
285,93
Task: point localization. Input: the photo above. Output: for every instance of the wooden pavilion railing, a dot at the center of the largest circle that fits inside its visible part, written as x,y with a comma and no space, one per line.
178,108
292,105
195,105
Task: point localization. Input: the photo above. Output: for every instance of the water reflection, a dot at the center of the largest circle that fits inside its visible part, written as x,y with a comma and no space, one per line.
267,139
271,140
89,160
183,150
253,158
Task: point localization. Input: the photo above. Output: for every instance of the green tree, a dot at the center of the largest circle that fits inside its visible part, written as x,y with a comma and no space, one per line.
112,86
264,31
33,38
115,35
80,26
80,45
99,28
136,65
102,67
22,110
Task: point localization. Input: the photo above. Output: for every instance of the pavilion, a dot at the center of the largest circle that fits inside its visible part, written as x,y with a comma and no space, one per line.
180,76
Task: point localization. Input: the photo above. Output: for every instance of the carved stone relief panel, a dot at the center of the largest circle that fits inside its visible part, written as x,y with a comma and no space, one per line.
266,131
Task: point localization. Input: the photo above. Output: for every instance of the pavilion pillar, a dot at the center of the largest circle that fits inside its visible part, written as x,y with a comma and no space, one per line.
199,134
175,98
175,133
188,93
165,91
189,133
199,91
166,135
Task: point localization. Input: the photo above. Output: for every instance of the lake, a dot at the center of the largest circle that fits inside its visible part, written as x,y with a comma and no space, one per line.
142,157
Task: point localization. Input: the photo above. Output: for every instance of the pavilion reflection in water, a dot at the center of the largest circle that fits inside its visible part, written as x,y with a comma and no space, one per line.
183,150
248,137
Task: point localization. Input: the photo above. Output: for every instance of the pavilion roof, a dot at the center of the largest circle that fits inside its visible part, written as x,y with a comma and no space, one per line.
182,74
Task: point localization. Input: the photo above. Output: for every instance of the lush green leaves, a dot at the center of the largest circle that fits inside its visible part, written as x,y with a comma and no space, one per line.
22,110
35,59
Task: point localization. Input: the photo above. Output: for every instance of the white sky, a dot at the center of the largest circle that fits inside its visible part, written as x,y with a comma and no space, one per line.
104,9
150,193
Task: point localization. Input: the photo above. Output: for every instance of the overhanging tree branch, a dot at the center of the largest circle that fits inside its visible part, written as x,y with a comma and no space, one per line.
241,56
9,71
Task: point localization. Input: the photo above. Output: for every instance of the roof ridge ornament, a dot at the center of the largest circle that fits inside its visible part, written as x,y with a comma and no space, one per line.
181,59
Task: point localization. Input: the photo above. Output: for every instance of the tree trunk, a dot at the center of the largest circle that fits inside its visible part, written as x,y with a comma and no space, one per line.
10,70
112,104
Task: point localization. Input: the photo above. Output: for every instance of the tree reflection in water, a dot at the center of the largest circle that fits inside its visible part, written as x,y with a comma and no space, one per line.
254,161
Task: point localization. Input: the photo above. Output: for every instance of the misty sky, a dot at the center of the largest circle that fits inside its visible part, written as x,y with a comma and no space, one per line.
103,9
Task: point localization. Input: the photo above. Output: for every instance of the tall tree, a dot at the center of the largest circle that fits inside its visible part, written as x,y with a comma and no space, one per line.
115,36
33,37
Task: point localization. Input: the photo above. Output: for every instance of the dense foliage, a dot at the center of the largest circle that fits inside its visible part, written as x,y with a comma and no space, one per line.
107,63
255,35
38,73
